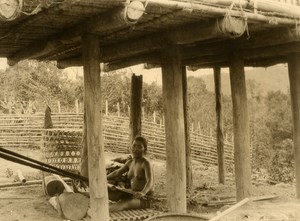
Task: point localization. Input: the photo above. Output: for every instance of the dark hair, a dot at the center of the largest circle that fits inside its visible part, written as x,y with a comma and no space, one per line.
143,140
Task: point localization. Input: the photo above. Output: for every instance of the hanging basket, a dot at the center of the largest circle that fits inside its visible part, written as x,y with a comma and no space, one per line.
234,26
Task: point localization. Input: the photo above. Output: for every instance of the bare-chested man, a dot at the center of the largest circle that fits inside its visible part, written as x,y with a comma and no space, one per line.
140,175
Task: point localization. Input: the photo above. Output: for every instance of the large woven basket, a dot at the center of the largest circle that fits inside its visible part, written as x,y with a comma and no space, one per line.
62,148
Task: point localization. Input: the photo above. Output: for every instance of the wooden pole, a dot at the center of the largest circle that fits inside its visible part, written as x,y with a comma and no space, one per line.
136,106
118,109
106,107
294,76
188,151
58,106
229,210
219,115
96,161
76,106
240,128
174,127
84,168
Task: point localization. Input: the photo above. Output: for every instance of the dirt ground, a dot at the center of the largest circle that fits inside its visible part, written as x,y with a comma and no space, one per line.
207,197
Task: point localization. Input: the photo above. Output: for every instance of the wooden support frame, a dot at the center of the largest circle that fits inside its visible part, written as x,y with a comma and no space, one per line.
174,127
240,127
257,50
135,125
294,76
92,97
110,21
219,116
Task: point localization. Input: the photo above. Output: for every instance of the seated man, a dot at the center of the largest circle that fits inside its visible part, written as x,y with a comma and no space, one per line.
140,176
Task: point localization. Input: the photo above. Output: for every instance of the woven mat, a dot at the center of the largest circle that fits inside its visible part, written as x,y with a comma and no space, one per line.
136,214
130,215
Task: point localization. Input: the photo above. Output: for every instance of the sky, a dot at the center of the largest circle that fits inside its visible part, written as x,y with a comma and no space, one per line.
149,75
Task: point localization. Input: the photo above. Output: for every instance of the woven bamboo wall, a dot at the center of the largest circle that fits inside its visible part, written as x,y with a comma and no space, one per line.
27,131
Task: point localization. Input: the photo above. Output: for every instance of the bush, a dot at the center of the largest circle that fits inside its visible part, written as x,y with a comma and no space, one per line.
282,163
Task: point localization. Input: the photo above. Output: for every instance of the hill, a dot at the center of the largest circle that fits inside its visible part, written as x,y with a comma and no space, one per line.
269,79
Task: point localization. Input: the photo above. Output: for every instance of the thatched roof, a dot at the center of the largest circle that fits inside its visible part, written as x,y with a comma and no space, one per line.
51,30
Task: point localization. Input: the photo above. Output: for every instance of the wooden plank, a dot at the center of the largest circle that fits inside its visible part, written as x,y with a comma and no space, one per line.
96,161
240,127
174,124
294,76
229,210
219,115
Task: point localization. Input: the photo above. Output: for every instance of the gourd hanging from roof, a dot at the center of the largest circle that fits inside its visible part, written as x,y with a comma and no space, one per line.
10,9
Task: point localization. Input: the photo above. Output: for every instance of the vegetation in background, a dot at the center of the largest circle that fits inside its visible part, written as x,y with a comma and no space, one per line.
29,85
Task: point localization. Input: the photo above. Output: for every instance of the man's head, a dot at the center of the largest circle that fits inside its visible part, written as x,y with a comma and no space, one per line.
139,147
142,140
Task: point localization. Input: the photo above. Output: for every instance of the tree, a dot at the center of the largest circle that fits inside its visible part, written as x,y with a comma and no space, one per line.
41,82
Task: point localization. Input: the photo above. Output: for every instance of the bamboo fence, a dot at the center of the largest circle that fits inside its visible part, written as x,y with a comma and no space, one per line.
27,131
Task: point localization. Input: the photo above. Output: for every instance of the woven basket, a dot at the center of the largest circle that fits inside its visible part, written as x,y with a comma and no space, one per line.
62,148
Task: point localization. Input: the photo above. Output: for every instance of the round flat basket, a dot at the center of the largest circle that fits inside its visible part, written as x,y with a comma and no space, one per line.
177,217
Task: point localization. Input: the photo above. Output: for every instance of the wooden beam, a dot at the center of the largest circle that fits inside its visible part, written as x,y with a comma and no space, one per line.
96,161
112,20
135,52
240,128
294,76
265,56
219,116
174,127
136,94
221,11
135,60
188,151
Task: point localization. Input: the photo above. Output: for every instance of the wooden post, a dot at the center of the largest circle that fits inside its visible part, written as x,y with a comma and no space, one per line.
199,128
219,115
136,106
106,107
58,106
76,106
240,128
294,76
92,96
154,117
188,151
174,126
118,109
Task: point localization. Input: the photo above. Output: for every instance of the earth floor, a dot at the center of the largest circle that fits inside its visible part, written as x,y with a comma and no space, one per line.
207,197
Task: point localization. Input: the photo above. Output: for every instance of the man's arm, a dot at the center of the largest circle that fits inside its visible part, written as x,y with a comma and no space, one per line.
119,171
